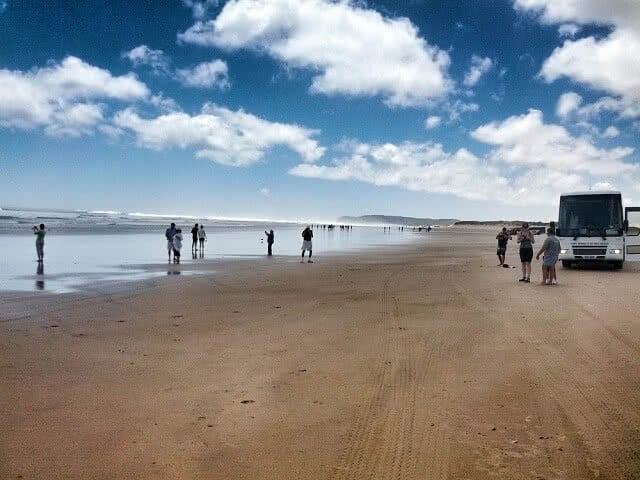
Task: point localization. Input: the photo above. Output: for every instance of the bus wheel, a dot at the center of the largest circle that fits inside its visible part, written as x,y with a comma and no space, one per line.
617,265
566,264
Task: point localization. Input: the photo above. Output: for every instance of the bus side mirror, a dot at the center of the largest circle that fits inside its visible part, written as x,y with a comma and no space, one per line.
625,225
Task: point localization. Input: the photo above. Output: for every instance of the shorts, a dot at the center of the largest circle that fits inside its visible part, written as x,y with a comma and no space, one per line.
526,255
548,261
501,251
306,245
169,245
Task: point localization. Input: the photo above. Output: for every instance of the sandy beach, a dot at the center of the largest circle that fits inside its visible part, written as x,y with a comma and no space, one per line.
416,362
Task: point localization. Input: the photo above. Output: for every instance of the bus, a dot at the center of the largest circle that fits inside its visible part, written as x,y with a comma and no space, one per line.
594,227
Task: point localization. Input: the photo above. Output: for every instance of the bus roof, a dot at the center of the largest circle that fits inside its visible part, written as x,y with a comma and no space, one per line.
596,192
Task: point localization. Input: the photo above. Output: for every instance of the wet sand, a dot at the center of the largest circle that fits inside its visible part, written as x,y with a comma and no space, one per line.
416,362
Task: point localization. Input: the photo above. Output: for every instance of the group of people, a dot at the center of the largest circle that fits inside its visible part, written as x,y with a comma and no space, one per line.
174,241
550,251
199,236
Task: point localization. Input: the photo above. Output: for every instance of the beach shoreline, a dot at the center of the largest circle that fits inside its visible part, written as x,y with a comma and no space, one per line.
415,361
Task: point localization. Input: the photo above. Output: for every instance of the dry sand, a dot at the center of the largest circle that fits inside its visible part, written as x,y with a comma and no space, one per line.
421,362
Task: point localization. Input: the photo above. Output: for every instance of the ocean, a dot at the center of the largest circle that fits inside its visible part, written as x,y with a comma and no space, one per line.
85,250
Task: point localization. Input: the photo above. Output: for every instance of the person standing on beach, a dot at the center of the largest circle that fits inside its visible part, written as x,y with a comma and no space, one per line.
177,245
307,235
503,238
270,239
526,241
551,250
40,234
202,236
194,238
169,234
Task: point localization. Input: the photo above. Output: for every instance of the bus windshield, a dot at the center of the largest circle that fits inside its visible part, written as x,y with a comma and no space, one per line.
590,215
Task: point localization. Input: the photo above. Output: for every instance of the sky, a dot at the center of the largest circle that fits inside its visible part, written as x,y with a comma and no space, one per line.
312,109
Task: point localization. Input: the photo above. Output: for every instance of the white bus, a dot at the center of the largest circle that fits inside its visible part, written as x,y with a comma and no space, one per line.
594,227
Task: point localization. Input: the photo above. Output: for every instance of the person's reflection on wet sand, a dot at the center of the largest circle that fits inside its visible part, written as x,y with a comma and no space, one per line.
40,271
173,272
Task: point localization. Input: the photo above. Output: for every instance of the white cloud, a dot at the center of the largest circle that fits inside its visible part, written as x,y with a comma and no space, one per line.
526,141
206,75
610,12
456,108
228,137
354,50
412,166
59,96
199,8
531,162
432,122
479,66
611,63
143,55
611,132
567,104
265,192
568,30
75,121
164,104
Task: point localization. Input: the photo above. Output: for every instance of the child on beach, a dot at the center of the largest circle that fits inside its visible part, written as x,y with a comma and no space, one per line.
177,245
40,234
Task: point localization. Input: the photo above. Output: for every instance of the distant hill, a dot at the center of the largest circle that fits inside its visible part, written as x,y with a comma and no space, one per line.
396,220
499,222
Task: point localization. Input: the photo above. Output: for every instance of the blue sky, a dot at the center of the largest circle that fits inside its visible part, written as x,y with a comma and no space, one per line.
311,109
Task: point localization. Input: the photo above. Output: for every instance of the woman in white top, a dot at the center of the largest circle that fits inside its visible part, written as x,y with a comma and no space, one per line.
177,245
202,236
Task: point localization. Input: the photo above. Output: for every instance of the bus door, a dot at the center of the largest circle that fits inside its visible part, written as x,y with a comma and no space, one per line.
632,234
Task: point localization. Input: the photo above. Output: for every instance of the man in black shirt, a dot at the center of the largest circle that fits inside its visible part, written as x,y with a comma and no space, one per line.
307,235
270,239
503,238
194,239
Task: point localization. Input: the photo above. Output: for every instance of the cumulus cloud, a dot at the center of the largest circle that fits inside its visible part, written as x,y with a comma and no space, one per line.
205,75
74,121
611,132
199,8
568,30
526,141
61,97
432,122
341,41
224,136
479,66
610,63
568,103
530,161
456,108
143,55
412,166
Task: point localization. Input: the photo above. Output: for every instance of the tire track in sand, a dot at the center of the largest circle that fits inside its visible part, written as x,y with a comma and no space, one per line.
388,440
